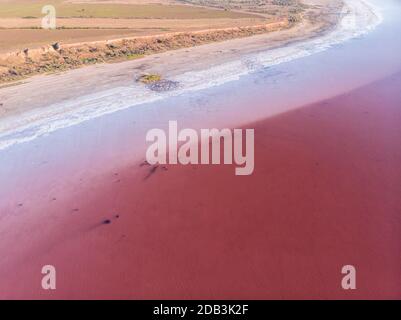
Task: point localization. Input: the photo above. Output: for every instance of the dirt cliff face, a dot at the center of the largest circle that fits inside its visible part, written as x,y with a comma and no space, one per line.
58,57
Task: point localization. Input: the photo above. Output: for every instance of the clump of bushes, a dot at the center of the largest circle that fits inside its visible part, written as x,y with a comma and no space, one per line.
149,78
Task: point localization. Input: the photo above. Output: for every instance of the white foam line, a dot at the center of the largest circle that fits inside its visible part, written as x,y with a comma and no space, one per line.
359,18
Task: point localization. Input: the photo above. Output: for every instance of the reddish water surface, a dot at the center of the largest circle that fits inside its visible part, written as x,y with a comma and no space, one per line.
325,193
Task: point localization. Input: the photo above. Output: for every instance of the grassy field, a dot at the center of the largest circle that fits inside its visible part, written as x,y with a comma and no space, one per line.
21,9
30,38
20,20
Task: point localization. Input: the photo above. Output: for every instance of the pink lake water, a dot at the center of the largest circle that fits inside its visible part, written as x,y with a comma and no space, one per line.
324,191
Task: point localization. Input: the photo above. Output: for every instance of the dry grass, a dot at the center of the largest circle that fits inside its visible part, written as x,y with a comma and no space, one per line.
89,10
149,78
20,20
28,35
19,39
28,62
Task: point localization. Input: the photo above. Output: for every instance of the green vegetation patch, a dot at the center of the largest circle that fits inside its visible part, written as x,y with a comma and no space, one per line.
134,56
149,78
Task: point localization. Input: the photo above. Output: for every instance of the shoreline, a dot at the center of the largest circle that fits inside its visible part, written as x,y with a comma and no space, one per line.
26,63
58,56
83,94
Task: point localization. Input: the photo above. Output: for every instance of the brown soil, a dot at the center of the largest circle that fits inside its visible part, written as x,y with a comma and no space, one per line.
17,65
19,34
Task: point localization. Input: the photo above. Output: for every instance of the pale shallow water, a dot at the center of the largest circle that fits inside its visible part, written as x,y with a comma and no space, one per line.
64,157
360,17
